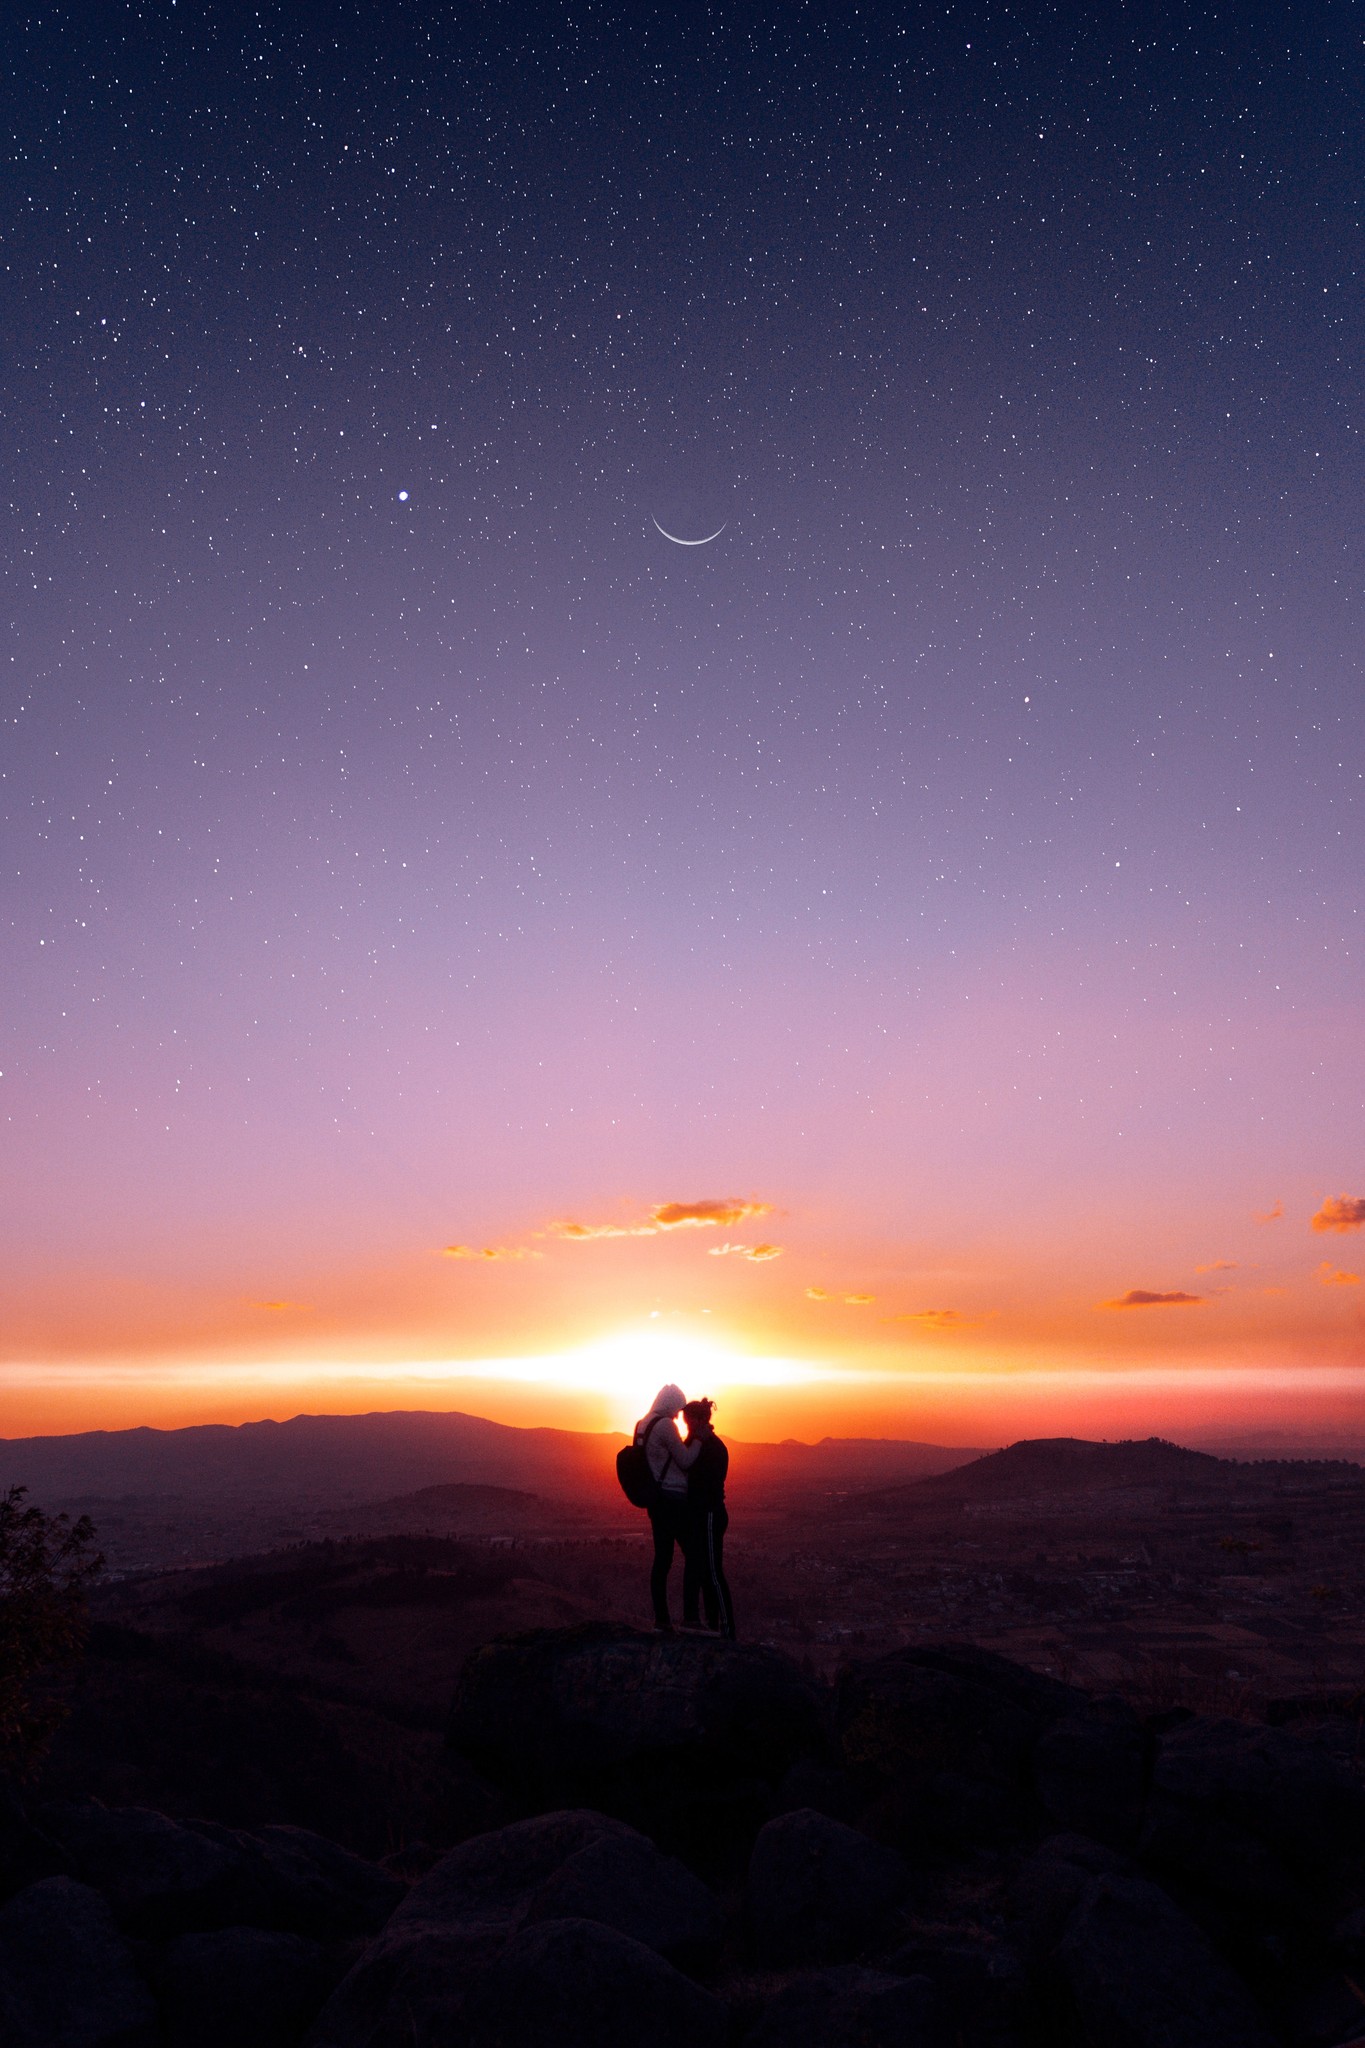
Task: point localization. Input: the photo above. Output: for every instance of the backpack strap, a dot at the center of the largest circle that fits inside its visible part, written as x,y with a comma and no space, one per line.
650,1427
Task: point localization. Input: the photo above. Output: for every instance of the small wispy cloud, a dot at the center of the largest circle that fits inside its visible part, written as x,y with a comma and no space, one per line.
759,1253
1144,1297
280,1307
492,1252
935,1319
1271,1215
1218,1266
1333,1276
848,1300
581,1233
1341,1212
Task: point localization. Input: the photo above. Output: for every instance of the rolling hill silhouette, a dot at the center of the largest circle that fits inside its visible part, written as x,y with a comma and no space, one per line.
352,1458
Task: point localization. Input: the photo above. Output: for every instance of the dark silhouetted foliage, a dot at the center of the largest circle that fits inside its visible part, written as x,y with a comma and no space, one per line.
46,1564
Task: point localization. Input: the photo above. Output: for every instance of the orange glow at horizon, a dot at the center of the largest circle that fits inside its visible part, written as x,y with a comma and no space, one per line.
604,1387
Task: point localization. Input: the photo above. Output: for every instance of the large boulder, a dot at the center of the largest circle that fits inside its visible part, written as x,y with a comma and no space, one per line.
1255,1817
943,1739
407,1990
161,1878
983,1986
67,1977
1090,1770
412,1984
241,1985
818,1891
684,1736
26,1853
165,1877
632,1886
848,2007
316,1887
1141,1975
491,1880
575,1984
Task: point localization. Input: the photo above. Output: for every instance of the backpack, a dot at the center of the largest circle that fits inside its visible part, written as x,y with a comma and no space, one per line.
638,1483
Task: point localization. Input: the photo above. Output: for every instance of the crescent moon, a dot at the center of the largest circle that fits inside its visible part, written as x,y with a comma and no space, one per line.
691,543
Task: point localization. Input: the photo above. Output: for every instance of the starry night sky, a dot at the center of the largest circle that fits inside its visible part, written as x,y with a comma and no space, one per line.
952,872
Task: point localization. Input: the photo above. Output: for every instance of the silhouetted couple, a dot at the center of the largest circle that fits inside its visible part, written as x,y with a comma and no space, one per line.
688,1509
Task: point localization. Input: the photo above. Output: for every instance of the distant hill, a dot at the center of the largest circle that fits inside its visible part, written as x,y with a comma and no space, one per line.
1065,1464
343,1459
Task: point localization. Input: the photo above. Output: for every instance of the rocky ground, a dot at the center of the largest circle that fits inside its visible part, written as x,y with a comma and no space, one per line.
1062,1747
699,1843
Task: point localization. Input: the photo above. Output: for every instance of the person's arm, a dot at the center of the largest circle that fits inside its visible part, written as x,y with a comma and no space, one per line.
682,1454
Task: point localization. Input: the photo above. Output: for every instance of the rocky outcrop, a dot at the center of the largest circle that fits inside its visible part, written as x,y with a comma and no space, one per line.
1254,1817
164,1877
1091,1768
684,1737
175,1934
943,1740
561,1869
886,1863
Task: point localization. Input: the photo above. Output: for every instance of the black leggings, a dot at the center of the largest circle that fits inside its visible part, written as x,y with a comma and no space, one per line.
668,1520
704,1570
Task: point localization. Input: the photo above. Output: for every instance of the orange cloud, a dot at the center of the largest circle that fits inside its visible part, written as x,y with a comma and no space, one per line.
757,1252
1142,1297
1219,1266
936,1319
1271,1215
1341,1212
1333,1276
709,1213
580,1233
487,1251
277,1307
849,1300
678,1215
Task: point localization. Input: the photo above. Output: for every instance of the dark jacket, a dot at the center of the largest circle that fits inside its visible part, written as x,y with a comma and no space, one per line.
706,1479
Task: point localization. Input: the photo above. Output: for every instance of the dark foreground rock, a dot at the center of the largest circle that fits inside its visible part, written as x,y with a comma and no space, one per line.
1090,1769
241,1985
164,1877
67,1976
1128,1967
818,1891
575,1984
1142,1976
685,1737
1255,1817
852,2008
413,1983
1209,1891
943,1740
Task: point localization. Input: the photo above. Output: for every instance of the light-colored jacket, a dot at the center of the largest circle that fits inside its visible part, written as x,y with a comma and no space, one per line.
669,1457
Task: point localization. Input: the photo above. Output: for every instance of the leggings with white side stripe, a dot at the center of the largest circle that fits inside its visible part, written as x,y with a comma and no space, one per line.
704,1581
